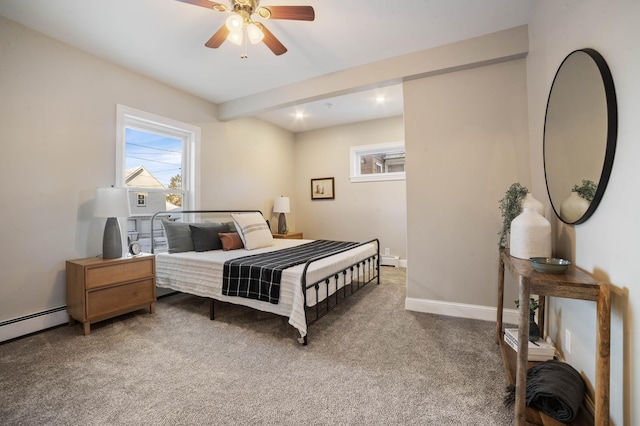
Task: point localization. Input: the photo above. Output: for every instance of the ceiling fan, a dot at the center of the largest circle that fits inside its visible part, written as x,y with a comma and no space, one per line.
240,27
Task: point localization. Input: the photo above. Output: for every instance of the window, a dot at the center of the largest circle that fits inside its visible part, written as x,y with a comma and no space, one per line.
383,161
156,161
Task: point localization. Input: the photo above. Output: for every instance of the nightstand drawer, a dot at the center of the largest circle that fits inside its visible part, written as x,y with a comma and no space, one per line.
119,272
119,298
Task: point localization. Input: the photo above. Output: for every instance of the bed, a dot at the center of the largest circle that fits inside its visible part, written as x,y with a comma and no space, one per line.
308,285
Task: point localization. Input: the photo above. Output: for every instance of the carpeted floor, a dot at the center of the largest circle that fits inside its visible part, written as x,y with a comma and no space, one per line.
369,362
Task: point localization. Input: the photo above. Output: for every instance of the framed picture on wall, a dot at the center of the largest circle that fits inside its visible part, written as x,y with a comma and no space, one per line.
322,189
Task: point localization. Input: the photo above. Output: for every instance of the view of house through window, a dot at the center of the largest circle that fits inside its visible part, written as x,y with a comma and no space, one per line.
384,161
155,163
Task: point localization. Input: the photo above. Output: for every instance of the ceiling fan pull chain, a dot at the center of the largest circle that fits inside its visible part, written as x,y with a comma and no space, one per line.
245,36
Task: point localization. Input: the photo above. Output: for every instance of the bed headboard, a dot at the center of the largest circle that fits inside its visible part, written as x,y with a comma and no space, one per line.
191,214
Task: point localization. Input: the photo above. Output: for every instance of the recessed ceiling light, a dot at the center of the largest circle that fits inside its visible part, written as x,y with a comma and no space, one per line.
299,114
380,99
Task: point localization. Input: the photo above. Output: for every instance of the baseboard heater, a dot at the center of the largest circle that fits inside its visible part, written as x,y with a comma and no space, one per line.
388,260
21,326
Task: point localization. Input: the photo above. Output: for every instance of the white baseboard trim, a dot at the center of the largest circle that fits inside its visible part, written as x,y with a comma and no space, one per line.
28,324
462,310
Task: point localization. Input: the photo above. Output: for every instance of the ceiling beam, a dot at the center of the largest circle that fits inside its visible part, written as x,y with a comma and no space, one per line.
489,49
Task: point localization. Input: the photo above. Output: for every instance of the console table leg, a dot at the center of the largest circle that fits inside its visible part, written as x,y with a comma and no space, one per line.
603,340
523,351
500,304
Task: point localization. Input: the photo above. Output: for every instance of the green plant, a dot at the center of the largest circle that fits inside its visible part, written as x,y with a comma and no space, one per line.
533,305
587,190
510,207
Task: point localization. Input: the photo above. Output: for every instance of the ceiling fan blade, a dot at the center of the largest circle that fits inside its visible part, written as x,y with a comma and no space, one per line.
218,38
298,13
208,4
271,41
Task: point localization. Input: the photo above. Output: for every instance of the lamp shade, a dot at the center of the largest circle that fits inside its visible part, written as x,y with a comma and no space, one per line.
281,205
112,202
235,37
255,33
234,23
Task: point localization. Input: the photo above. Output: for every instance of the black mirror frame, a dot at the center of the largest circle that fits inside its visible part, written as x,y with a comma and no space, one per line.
612,133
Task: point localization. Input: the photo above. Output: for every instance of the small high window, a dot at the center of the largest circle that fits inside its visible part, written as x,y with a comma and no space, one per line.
383,161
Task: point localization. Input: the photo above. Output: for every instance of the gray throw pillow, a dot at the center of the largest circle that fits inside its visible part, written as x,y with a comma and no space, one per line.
206,238
179,235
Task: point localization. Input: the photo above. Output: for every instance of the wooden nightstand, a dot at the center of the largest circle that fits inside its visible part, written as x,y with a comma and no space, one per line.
289,236
98,289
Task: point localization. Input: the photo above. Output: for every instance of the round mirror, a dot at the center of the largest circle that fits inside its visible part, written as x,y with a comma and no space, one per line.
580,131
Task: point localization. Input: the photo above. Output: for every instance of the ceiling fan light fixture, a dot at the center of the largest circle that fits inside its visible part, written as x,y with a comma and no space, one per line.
254,33
239,27
234,23
235,37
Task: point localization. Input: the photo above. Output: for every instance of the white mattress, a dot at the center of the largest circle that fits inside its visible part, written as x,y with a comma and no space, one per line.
200,273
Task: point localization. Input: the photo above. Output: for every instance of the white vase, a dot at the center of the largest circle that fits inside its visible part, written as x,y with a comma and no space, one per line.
530,235
573,208
529,201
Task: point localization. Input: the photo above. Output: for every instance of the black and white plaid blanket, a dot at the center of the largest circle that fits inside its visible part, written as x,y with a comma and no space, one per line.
258,276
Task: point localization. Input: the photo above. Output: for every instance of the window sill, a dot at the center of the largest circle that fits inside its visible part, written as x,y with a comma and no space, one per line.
378,177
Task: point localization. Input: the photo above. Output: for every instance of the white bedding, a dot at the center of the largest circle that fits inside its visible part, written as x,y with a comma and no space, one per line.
200,273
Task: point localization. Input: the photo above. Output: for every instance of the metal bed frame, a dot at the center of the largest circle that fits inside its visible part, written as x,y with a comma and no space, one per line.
360,274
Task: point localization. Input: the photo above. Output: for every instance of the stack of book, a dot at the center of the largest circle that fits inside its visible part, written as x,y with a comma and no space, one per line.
540,350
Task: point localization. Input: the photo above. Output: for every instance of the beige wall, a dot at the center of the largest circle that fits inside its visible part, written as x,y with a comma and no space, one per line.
466,142
57,132
361,210
607,244
248,164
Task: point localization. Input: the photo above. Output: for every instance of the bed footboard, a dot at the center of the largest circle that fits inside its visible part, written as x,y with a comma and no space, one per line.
354,277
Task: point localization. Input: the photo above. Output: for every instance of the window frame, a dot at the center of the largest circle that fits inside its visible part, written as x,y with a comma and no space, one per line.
357,152
127,117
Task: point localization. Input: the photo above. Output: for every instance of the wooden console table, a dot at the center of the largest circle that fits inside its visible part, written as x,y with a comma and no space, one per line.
574,284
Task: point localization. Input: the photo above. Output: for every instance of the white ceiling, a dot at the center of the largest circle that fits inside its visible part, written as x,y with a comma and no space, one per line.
164,39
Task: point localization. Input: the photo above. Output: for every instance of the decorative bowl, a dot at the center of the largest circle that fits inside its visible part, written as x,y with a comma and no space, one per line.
551,265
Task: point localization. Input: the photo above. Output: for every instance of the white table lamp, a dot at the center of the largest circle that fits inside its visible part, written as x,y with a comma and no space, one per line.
281,205
112,203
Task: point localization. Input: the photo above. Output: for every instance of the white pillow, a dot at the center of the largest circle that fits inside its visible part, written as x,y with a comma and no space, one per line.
253,230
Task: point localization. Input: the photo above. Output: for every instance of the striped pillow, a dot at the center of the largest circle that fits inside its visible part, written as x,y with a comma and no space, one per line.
253,230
